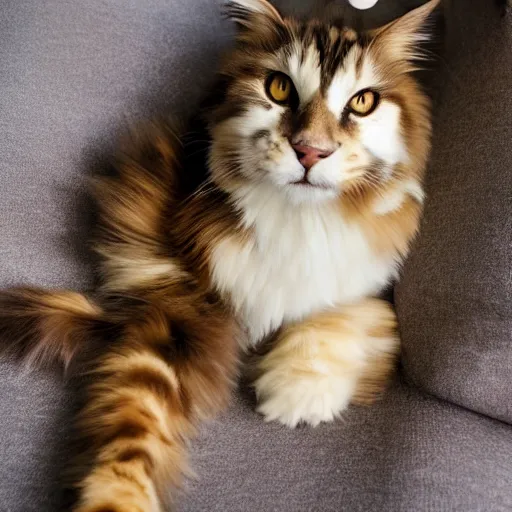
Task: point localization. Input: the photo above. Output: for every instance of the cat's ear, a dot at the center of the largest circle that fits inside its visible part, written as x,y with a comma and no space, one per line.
248,14
402,39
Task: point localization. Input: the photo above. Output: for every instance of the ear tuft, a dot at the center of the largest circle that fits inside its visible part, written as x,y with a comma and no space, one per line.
403,37
243,12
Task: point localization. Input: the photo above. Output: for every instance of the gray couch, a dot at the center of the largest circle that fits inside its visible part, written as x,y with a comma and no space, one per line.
74,74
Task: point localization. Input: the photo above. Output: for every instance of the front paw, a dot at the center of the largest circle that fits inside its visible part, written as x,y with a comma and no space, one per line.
317,367
302,393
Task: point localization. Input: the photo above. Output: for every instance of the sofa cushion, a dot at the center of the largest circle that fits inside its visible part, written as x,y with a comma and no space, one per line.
409,452
454,301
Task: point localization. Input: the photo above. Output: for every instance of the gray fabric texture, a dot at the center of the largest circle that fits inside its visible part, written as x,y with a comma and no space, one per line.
73,75
454,301
406,453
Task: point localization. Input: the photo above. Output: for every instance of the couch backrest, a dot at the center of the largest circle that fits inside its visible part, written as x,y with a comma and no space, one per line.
454,301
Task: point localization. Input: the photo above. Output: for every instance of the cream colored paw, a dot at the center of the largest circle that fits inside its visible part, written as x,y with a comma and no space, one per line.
302,395
319,366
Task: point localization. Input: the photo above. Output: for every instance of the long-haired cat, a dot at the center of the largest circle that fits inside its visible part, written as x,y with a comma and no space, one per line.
277,224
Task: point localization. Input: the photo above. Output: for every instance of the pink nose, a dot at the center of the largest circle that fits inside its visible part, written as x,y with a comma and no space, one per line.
309,155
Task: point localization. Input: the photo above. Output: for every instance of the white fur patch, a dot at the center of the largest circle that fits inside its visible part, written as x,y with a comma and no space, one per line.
254,119
394,199
300,259
335,170
343,85
379,131
390,202
380,134
303,67
346,83
415,189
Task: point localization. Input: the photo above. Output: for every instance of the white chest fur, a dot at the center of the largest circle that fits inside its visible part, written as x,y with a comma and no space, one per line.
298,260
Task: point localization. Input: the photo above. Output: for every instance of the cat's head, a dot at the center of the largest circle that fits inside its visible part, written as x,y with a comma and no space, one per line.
314,109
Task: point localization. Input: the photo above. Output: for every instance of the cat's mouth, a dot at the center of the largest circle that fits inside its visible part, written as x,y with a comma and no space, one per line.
304,182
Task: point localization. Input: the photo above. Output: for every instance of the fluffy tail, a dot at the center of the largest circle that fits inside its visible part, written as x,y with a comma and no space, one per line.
166,363
173,365
168,348
45,327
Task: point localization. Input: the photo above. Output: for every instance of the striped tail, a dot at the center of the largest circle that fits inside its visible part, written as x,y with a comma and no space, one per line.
173,367
167,363
165,351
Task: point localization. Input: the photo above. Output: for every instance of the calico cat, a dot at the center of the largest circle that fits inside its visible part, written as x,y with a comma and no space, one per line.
276,225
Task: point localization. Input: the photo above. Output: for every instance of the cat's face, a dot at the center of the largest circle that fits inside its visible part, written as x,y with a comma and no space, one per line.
314,109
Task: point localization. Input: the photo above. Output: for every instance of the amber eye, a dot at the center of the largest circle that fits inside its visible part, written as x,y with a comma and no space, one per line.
364,103
279,88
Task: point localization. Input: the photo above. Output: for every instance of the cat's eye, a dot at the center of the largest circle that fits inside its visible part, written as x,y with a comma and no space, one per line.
364,102
279,88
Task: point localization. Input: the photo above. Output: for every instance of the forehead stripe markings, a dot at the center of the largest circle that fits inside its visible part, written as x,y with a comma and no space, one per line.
332,49
314,60
335,59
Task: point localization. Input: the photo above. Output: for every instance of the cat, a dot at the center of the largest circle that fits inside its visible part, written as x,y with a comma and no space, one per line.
275,223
